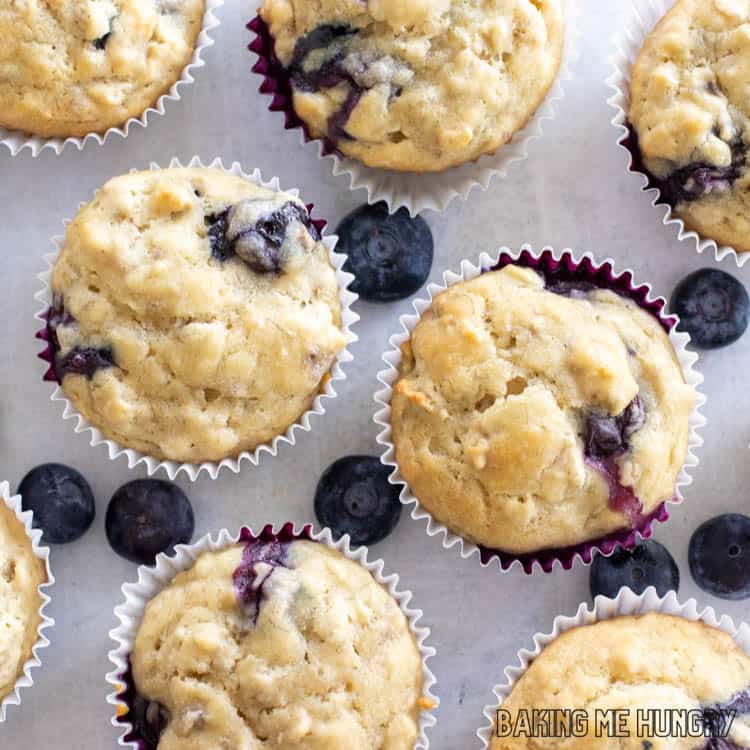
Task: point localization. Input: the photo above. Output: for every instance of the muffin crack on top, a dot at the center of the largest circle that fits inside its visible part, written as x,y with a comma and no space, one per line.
276,645
690,116
174,349
69,69
416,86
530,416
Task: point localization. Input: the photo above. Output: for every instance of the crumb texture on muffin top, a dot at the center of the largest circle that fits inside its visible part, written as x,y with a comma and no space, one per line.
21,574
283,646
421,85
653,662
691,114
529,417
195,314
72,68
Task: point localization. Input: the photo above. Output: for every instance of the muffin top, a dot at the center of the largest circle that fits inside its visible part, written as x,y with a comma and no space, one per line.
284,646
21,574
529,416
421,85
195,314
691,113
72,68
652,662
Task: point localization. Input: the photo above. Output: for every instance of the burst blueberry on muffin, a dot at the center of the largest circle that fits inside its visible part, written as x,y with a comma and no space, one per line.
418,86
68,69
653,663
21,574
196,315
690,115
534,413
276,644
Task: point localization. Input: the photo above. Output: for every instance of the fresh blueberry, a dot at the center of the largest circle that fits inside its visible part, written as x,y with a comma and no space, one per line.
61,500
713,306
146,517
354,497
719,556
647,564
390,255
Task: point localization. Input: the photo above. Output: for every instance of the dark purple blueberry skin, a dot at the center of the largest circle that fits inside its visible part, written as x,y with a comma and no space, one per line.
146,517
571,288
608,436
389,254
719,556
693,181
248,588
647,564
330,74
149,719
61,500
79,360
714,308
354,497
261,249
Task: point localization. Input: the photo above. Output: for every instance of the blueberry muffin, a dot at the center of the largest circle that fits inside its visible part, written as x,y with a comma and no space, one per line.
417,86
280,645
195,315
535,413
690,115
72,68
631,664
21,574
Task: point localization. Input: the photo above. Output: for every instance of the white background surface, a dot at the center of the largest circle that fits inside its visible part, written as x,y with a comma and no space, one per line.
573,191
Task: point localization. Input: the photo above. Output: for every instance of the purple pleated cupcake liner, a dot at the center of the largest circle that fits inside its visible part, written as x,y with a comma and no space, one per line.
151,580
642,18
625,604
212,468
414,191
561,267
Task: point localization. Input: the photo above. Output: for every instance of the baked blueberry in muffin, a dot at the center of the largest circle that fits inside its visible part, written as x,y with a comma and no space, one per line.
195,314
69,69
655,670
415,86
277,643
534,413
690,116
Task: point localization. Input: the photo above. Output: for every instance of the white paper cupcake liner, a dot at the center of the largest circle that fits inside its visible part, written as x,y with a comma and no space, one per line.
434,190
151,580
35,536
212,468
641,19
16,141
626,603
623,281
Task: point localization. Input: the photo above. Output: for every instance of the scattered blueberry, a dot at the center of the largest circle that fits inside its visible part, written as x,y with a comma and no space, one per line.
713,306
609,436
647,564
719,556
354,497
146,517
390,255
61,500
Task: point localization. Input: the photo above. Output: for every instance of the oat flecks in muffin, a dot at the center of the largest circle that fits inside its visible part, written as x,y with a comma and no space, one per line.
691,115
176,349
321,657
525,419
21,574
72,68
654,662
420,85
